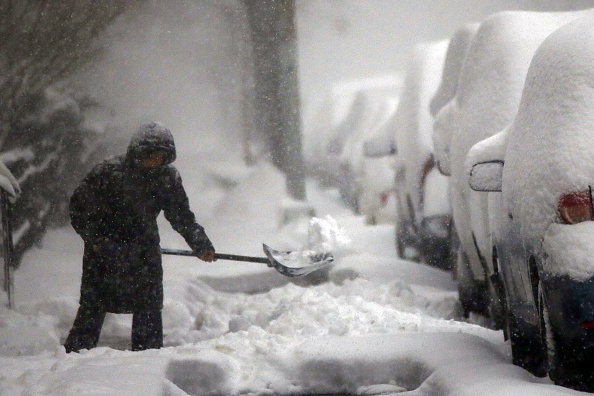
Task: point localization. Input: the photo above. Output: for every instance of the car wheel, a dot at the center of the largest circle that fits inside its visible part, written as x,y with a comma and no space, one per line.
525,338
497,297
400,242
526,345
454,248
473,294
568,366
546,333
406,246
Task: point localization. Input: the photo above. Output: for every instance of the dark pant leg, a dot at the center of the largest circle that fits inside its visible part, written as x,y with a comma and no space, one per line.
147,330
85,330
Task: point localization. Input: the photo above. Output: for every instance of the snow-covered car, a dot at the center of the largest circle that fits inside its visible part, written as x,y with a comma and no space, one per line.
422,208
448,87
486,101
376,110
342,113
375,174
543,163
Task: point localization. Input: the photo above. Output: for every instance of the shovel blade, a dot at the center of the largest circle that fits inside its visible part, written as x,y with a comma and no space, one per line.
292,264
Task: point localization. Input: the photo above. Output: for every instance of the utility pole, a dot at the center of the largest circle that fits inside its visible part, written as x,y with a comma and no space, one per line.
277,105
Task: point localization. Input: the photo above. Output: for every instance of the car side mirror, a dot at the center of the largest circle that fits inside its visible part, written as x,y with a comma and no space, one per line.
379,148
486,176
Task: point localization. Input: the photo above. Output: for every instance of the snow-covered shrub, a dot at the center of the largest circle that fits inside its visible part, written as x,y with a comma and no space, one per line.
49,152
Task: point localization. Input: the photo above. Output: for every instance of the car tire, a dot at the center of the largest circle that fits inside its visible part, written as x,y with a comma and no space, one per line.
527,341
406,239
437,258
526,345
473,294
497,296
454,248
568,366
400,242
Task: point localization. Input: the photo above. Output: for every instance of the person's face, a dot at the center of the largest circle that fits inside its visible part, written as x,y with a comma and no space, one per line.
154,160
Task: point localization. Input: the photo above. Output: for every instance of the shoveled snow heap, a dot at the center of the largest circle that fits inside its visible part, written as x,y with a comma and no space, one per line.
324,237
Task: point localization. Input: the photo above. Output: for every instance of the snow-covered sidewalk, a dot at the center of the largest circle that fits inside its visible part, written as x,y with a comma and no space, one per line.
371,324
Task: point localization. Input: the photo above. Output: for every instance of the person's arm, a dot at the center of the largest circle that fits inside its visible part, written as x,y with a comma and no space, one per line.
177,211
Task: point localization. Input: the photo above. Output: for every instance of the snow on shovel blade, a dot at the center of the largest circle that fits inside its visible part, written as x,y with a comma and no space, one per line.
292,264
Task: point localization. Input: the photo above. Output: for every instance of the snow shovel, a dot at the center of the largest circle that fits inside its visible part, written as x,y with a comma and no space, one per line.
287,263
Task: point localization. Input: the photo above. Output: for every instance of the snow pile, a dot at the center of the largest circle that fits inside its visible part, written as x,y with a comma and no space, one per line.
250,198
24,335
377,173
569,250
325,236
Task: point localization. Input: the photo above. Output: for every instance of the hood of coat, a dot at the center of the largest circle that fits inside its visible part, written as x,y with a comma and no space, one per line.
149,138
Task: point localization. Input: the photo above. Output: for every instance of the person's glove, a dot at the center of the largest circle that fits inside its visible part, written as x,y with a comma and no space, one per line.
209,256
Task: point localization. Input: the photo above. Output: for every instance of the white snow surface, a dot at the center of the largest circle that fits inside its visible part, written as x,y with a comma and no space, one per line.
488,150
370,324
569,250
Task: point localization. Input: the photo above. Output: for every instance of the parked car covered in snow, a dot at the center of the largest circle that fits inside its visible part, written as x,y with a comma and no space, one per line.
486,101
448,87
544,165
375,174
376,110
423,215
347,110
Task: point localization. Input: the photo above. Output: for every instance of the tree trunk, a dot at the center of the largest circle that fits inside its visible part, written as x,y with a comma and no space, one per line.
273,33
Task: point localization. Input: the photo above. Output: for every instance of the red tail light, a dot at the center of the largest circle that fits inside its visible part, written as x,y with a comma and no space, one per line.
587,325
576,207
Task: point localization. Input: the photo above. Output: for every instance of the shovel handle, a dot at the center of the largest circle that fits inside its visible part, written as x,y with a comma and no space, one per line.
221,256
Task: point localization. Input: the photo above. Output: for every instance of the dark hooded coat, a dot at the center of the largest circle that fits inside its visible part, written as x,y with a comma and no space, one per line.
115,209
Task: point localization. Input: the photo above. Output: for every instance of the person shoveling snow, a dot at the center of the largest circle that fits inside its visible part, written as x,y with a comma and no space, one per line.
115,210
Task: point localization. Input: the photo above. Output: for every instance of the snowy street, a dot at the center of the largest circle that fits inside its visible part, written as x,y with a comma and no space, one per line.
369,325
296,197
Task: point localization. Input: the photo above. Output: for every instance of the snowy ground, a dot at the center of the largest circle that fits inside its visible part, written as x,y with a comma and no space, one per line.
369,325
